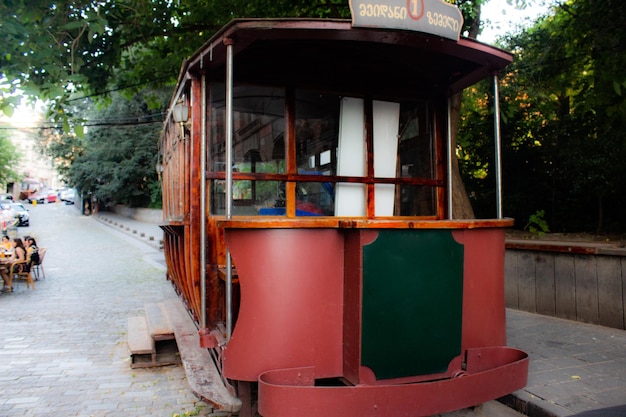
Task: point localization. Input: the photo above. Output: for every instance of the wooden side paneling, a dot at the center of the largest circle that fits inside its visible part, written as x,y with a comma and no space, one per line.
610,302
565,286
527,280
586,289
590,288
623,263
511,279
544,268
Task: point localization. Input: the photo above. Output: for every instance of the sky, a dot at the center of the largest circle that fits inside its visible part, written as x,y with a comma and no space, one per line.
500,18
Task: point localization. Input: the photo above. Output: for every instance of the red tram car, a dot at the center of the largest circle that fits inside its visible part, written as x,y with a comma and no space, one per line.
308,227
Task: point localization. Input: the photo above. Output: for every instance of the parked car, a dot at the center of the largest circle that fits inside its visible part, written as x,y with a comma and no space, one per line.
6,196
7,215
21,213
43,196
68,195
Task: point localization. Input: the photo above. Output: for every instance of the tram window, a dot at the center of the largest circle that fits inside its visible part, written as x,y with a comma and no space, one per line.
330,140
315,199
250,198
258,128
258,145
317,119
317,133
416,148
415,201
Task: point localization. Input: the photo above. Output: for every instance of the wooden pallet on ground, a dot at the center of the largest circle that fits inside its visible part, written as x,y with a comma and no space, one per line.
167,335
151,338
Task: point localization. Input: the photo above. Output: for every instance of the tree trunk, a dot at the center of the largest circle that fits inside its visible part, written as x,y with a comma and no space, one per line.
461,205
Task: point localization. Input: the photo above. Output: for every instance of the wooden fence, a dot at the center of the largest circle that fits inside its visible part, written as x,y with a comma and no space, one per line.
570,280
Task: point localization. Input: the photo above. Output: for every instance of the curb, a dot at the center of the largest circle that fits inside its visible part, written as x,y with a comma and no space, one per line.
121,226
532,406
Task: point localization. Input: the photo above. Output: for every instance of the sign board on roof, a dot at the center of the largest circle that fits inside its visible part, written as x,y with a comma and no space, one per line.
429,16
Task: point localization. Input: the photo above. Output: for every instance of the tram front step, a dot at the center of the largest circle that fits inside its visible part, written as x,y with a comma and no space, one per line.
151,339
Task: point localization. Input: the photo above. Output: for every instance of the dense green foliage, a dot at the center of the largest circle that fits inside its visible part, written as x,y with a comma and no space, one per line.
57,50
115,160
63,51
564,118
8,158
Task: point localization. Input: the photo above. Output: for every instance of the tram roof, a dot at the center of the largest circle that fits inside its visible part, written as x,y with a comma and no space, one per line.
332,54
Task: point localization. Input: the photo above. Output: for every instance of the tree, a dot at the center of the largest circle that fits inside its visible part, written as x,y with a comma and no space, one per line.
89,48
115,160
564,118
9,157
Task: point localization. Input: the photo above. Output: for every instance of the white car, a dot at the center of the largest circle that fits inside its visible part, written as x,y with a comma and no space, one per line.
21,213
8,215
68,195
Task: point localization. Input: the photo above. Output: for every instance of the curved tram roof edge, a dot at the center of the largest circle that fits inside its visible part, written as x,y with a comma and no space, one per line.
474,60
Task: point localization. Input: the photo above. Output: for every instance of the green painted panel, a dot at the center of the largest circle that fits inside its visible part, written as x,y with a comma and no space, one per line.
412,302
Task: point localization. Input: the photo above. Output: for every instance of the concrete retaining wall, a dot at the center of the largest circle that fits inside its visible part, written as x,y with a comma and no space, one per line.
140,214
570,281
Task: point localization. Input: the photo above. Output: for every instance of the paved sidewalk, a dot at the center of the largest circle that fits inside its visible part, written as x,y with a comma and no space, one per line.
574,367
63,345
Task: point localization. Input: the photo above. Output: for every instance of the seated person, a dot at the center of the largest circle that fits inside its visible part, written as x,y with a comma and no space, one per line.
6,243
32,251
19,254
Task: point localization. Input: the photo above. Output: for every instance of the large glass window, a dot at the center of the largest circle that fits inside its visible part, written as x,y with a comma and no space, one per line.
258,145
329,135
317,118
416,159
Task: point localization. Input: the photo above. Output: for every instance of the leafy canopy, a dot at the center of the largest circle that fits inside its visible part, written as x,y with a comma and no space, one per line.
8,159
88,47
564,117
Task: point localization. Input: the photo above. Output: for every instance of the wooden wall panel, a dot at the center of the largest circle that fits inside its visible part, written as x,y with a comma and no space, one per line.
623,263
545,286
590,288
565,287
527,279
586,289
511,279
610,303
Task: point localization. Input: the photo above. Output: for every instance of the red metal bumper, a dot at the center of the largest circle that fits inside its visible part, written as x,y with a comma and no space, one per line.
491,373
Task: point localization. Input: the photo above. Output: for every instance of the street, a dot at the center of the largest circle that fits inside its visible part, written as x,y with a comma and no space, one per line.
63,349
63,346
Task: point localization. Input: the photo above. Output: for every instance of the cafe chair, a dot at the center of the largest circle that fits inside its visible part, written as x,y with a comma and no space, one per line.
37,267
21,270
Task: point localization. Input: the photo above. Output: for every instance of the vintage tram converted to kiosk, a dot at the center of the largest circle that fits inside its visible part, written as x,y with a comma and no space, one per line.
308,227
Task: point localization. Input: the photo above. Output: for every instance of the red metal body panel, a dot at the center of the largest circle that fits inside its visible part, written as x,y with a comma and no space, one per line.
291,302
484,317
300,321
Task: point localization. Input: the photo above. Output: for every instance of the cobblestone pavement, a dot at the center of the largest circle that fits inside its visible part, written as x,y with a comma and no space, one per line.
63,349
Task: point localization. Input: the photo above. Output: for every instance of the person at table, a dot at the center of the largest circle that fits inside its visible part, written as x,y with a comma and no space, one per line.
19,254
6,243
32,251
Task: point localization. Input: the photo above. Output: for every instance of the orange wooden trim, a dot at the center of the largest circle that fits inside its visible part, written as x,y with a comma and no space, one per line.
290,151
248,176
264,222
369,152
